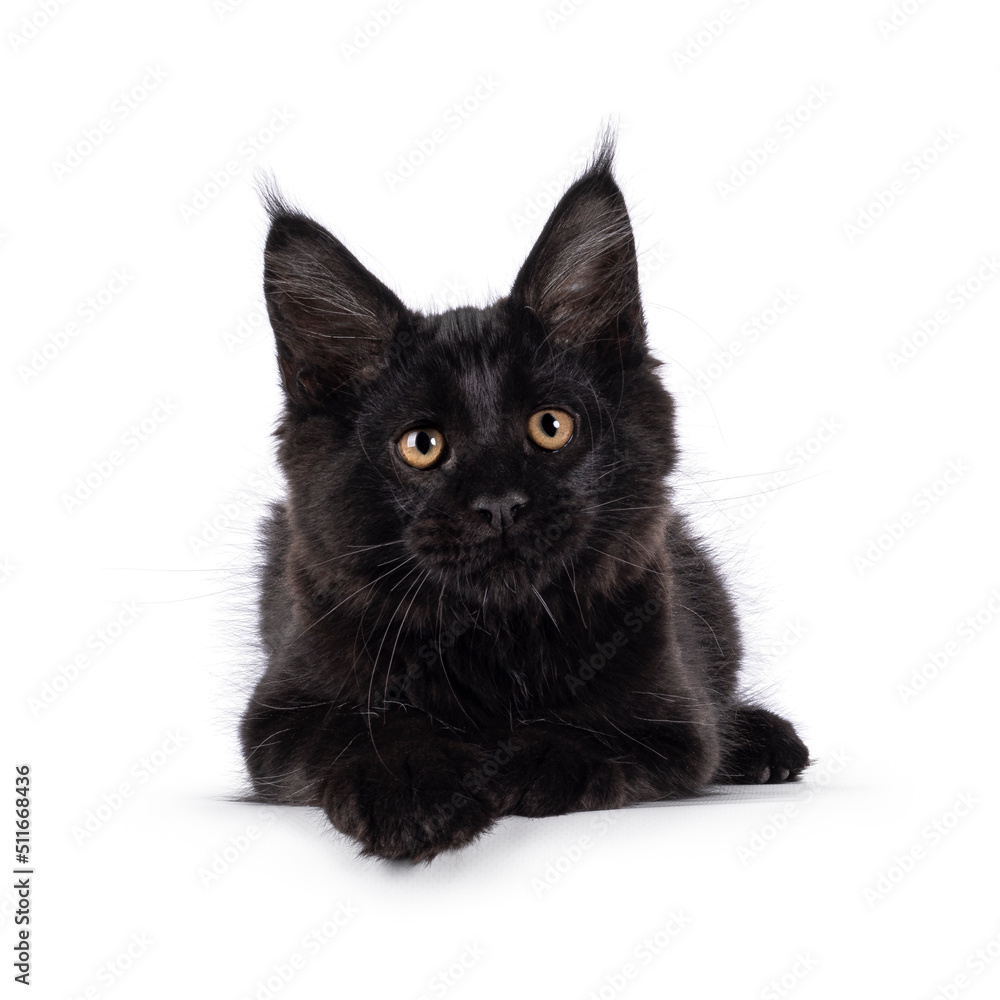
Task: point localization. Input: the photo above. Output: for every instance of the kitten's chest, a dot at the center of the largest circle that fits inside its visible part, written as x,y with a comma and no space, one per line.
478,673
466,672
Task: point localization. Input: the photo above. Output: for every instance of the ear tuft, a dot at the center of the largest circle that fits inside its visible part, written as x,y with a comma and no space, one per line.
581,278
332,318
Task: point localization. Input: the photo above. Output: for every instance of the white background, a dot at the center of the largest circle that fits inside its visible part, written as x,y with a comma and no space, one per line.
805,446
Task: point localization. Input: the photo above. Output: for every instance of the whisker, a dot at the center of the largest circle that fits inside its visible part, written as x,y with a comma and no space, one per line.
349,596
356,552
378,653
548,610
399,632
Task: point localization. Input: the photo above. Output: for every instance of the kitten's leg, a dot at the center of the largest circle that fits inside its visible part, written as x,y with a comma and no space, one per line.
570,766
760,748
403,788
554,769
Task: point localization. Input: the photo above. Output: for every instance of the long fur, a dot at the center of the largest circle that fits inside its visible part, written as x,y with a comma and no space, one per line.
433,665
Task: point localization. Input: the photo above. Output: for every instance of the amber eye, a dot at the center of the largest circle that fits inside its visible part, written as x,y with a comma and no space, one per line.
550,428
422,447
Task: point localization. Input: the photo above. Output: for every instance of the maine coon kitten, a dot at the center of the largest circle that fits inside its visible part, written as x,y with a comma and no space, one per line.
478,600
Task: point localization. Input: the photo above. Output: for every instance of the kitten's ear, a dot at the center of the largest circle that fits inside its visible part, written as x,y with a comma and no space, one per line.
332,318
581,278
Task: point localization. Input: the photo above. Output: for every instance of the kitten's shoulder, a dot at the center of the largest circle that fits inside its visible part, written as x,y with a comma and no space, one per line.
708,626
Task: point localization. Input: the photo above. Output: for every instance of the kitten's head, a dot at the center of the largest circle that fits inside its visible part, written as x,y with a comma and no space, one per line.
499,458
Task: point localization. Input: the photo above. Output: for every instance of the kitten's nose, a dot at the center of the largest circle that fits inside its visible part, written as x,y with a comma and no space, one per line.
500,512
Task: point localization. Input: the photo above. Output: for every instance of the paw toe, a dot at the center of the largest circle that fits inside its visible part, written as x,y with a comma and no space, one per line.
765,750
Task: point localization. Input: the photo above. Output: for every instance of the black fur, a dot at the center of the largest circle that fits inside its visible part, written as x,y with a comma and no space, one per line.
515,631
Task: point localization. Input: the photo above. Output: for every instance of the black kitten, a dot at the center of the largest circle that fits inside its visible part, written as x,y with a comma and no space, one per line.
478,600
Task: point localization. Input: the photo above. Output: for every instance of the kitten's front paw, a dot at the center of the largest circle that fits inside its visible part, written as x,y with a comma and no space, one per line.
409,801
763,749
551,772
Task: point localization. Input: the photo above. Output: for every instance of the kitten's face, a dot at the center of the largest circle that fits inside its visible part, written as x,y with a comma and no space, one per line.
483,455
529,456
